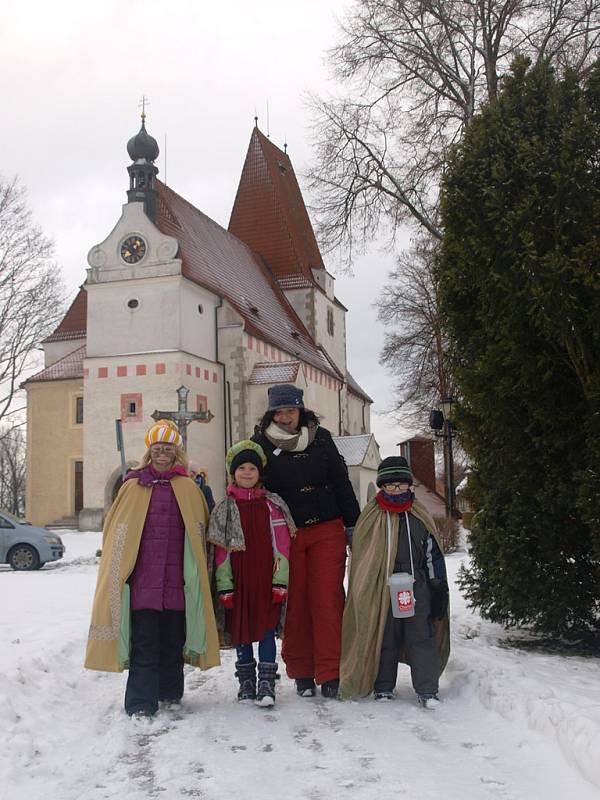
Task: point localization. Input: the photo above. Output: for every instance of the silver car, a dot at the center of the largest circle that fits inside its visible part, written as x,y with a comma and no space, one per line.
25,546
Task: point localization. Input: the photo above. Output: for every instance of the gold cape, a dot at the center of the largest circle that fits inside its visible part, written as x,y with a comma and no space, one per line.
368,600
109,635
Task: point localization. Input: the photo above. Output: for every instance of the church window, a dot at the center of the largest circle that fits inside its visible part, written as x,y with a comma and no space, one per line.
330,322
202,404
79,410
133,303
131,407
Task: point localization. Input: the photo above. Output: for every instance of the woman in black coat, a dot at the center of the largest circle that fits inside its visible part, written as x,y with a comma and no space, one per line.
305,468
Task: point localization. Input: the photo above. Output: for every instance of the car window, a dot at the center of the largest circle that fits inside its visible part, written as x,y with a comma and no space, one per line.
5,523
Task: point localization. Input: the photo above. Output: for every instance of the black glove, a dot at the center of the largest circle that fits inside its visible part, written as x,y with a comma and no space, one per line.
438,588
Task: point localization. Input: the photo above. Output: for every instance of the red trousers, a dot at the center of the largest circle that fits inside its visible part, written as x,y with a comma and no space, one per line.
313,626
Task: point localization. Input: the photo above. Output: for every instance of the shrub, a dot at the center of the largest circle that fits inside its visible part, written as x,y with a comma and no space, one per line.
449,532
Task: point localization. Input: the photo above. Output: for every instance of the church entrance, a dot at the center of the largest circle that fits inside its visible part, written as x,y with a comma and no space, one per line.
78,487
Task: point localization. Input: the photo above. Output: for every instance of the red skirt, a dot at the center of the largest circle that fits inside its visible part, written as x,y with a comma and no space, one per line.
254,612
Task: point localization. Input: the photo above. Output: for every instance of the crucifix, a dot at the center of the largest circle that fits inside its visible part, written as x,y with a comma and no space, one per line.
182,417
142,104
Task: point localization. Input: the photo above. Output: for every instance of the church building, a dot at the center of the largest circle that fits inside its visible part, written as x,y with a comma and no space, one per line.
173,301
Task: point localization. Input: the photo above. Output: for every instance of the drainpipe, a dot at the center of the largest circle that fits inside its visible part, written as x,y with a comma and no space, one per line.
340,408
226,388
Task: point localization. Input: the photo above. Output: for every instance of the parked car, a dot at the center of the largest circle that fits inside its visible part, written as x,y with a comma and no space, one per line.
25,546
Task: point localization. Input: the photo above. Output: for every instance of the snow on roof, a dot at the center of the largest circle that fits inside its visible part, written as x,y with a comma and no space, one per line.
280,372
353,448
70,366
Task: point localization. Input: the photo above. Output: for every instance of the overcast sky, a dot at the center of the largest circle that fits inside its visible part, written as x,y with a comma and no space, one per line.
72,75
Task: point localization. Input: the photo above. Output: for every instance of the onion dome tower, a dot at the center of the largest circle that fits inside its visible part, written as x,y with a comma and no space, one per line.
143,151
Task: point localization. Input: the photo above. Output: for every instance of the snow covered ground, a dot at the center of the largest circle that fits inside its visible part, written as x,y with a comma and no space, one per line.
514,725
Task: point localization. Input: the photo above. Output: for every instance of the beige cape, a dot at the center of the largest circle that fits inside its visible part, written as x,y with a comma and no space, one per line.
368,600
108,642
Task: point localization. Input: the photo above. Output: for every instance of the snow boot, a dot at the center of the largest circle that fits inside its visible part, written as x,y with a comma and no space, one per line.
330,688
384,695
306,687
246,674
265,693
429,701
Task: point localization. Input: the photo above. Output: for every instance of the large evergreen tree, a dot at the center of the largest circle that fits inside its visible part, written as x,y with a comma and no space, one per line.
519,287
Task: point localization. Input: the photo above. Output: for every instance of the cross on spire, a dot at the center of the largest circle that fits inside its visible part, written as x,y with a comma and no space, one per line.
142,104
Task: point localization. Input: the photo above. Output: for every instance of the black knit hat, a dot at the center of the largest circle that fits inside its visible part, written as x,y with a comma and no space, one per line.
394,469
285,395
245,452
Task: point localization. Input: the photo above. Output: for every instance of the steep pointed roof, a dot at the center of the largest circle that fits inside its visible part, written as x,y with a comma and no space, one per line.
74,323
269,215
217,260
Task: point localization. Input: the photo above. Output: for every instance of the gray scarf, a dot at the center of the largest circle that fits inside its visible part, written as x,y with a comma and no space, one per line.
287,438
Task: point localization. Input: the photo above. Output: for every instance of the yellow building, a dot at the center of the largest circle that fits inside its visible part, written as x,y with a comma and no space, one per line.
55,462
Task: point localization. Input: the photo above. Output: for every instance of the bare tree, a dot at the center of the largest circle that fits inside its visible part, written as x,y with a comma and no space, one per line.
30,289
414,350
12,470
416,71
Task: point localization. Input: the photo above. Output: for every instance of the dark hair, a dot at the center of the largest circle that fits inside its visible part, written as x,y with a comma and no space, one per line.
306,416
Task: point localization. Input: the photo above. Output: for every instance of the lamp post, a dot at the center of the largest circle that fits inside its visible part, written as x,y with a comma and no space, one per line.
443,427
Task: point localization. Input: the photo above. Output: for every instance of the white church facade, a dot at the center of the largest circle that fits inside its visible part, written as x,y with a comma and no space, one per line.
172,299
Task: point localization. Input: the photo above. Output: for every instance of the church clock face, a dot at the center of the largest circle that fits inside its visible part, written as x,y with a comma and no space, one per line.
133,249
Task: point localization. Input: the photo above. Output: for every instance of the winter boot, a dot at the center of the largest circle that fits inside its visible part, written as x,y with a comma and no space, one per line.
246,674
265,694
306,687
384,695
330,688
430,701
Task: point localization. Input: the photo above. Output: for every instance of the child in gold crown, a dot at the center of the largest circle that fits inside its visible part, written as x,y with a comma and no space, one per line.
146,616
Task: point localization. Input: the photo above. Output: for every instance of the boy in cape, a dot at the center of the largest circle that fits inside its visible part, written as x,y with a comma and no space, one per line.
394,534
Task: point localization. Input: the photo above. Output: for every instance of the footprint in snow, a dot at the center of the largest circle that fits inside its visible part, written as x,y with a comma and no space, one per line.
424,735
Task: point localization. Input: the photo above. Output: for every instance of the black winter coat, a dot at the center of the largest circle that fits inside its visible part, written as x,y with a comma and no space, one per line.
314,482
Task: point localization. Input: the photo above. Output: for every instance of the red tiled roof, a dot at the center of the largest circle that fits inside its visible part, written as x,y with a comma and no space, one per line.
280,372
70,366
269,214
217,260
74,323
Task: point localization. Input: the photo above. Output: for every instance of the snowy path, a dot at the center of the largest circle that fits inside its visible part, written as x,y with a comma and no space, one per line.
514,725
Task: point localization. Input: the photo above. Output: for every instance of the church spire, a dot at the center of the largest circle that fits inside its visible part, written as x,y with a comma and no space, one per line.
143,151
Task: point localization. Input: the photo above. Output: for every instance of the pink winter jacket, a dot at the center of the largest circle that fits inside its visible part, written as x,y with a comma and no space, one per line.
157,579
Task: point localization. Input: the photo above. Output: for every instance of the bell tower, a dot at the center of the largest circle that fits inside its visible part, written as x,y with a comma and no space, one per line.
143,151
